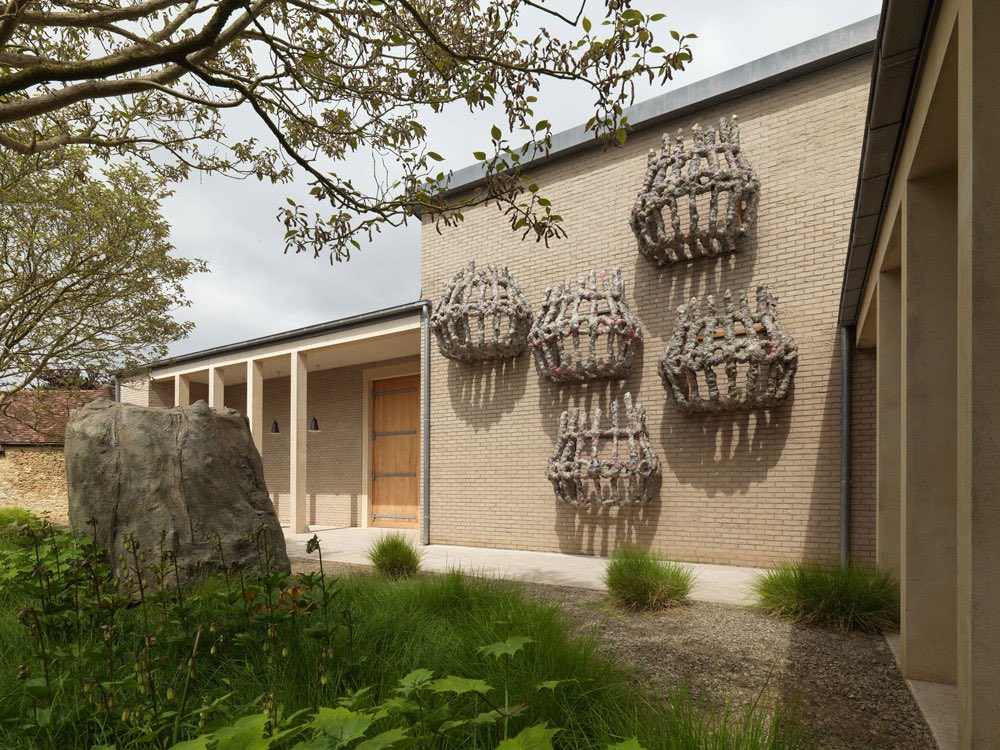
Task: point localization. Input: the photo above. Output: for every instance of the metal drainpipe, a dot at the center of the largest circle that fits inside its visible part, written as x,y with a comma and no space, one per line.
425,435
845,444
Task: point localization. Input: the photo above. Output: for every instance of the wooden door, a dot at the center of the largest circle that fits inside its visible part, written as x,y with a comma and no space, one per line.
395,452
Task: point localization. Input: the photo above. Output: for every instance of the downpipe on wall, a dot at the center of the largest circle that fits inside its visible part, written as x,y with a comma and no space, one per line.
846,337
425,433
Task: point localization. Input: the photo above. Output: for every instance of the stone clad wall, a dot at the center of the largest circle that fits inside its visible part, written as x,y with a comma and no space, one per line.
745,488
34,477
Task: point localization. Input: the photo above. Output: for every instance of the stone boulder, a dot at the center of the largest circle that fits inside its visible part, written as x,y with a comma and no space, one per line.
171,479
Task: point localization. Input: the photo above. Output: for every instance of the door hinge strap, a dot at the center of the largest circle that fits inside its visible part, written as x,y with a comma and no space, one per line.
393,434
380,474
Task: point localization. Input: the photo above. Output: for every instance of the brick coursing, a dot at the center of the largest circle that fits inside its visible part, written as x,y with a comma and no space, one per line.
746,488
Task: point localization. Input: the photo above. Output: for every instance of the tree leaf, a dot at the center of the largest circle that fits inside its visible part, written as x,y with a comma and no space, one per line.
512,645
632,744
460,685
389,738
342,724
538,737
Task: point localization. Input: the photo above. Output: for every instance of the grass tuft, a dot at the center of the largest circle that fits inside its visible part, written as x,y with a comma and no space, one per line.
395,556
638,579
841,598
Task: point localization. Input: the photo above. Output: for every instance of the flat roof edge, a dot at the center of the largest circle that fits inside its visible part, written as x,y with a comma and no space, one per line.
792,62
340,324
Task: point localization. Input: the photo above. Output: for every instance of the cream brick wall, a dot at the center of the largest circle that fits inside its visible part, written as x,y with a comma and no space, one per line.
34,477
750,488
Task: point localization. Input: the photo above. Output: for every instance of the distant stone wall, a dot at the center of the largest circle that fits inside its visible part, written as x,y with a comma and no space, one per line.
34,477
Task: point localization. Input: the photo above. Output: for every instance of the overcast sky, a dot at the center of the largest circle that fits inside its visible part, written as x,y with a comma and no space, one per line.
253,289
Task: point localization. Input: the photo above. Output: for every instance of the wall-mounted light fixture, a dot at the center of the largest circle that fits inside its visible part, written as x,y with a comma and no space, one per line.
313,425
274,427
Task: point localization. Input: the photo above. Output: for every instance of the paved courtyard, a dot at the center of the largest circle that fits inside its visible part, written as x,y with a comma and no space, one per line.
723,584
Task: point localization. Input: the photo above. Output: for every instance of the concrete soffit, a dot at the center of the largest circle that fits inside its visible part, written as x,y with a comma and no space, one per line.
363,335
900,51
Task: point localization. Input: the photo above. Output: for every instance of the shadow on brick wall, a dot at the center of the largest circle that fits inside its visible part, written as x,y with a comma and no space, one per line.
658,292
724,453
482,393
599,530
554,399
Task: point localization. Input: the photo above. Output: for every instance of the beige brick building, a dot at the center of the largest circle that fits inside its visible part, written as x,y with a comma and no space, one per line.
887,277
748,487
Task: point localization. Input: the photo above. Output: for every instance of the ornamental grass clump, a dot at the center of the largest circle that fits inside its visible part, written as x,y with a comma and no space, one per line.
637,579
395,556
841,598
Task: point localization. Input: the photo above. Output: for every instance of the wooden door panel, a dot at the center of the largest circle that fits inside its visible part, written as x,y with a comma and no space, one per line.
395,451
396,454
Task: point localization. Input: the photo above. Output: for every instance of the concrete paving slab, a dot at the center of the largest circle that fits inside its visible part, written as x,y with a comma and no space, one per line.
724,584
937,701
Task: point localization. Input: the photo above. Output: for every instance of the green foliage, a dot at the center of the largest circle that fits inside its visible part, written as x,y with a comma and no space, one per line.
260,659
842,598
88,281
638,579
13,517
395,556
419,60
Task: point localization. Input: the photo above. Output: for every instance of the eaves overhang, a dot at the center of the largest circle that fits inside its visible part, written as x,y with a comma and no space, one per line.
899,54
296,334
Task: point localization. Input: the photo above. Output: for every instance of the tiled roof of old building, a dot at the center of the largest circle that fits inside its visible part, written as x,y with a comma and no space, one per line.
39,417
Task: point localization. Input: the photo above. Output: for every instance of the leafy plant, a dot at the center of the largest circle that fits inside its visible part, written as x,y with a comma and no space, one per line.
15,516
638,579
395,556
842,598
255,658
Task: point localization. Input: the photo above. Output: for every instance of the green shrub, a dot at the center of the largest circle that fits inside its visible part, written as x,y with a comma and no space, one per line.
638,579
14,517
842,598
395,556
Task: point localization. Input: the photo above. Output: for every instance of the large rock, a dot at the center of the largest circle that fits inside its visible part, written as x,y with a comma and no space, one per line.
171,479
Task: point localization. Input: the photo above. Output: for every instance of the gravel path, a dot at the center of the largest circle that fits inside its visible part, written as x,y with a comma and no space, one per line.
846,686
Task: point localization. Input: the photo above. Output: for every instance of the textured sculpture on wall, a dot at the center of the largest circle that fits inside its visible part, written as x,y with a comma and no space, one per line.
746,349
679,214
587,332
482,315
627,472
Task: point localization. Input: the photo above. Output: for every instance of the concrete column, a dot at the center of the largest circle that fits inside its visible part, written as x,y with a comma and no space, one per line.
255,402
887,417
927,449
297,444
216,388
182,390
978,439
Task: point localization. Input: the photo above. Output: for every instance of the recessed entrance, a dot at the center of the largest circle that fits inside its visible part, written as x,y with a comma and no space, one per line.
395,452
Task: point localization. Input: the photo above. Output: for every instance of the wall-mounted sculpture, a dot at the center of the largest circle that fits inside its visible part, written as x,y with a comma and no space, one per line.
737,359
586,332
696,201
481,316
596,464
